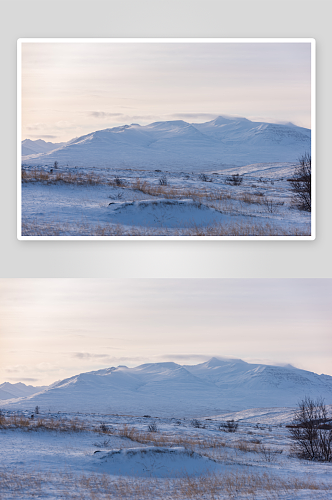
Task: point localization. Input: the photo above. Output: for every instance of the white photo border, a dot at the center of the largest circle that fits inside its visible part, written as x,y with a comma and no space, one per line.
21,41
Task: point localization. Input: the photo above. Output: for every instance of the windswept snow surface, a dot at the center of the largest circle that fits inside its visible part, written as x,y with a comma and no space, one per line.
180,145
210,388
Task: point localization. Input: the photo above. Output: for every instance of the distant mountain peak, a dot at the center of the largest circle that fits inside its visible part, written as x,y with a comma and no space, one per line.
224,119
179,145
167,388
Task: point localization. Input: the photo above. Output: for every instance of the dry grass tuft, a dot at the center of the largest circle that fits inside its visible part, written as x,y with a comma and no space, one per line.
192,442
244,229
23,484
36,228
251,198
40,175
48,424
171,192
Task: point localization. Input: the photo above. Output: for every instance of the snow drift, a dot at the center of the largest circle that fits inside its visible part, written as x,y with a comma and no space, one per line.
154,461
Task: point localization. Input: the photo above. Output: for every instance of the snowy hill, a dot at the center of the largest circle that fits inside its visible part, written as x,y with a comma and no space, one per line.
217,144
9,391
170,389
35,147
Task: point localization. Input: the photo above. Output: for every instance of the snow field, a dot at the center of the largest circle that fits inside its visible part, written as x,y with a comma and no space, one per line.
101,202
114,456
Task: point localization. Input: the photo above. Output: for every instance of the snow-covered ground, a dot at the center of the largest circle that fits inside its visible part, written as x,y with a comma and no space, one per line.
86,201
93,455
169,178
160,430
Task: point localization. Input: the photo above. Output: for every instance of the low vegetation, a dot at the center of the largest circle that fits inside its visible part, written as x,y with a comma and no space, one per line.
242,447
233,199
23,484
36,228
48,424
301,184
311,431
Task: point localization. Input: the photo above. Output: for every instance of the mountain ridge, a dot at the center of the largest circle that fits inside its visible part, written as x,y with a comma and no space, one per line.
160,388
178,144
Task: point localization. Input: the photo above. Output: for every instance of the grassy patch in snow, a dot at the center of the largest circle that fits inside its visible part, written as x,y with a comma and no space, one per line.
49,424
37,228
23,484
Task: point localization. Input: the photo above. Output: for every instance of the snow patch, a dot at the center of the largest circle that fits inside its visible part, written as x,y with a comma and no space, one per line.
155,461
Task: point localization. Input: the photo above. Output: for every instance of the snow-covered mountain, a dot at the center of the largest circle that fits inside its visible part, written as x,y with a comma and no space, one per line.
219,143
30,147
209,388
9,391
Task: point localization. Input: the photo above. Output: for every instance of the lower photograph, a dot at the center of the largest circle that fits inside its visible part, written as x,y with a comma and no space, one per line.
166,388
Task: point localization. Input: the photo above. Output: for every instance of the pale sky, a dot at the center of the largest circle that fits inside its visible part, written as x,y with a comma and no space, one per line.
51,329
71,89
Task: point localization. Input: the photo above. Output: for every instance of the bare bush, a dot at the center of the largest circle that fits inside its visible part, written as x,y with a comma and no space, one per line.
203,177
163,181
234,180
269,205
229,426
103,444
103,428
301,184
311,431
197,424
153,427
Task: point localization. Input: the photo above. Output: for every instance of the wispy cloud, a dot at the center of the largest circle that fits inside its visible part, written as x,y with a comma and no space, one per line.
102,114
43,136
194,116
185,357
88,355
23,379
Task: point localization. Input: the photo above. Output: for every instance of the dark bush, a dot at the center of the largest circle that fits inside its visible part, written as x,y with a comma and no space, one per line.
153,427
301,184
229,426
204,178
234,180
311,431
197,424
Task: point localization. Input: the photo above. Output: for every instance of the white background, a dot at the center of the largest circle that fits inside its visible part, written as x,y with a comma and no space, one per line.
165,18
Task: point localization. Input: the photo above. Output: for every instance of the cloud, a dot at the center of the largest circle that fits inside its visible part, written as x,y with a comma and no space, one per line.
102,114
36,126
24,379
40,368
185,357
88,355
45,136
195,116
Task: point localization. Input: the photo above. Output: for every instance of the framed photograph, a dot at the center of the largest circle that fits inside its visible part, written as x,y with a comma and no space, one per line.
166,139
166,389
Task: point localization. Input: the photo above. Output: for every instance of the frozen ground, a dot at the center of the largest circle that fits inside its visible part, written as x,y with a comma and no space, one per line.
93,455
72,201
